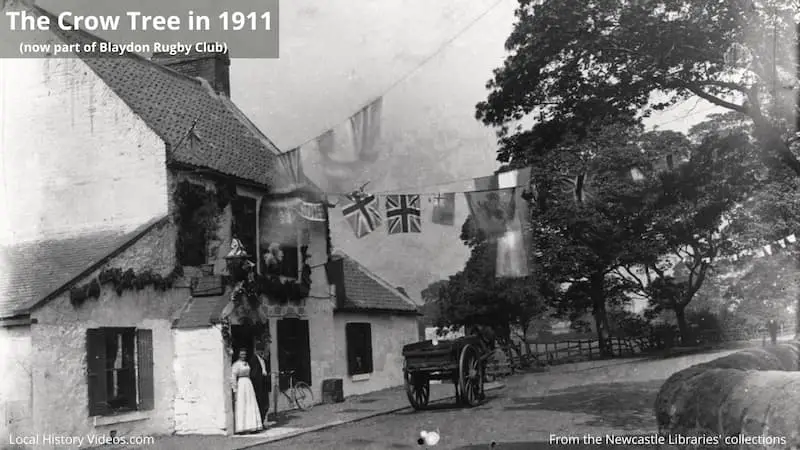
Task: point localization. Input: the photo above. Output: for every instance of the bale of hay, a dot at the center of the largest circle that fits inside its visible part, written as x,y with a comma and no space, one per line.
756,359
753,392
788,354
745,408
672,389
694,404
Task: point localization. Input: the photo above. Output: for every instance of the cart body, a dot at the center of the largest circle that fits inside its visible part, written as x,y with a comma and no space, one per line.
461,361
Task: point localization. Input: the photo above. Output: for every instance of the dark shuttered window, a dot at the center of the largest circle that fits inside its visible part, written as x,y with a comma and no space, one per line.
144,345
359,348
96,365
119,370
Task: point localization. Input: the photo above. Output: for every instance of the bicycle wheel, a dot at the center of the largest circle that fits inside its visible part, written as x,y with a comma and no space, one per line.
303,396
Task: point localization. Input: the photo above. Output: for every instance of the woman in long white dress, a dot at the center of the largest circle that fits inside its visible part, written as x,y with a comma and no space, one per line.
246,413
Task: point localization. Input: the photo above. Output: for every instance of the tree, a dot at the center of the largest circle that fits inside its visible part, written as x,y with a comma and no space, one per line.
693,202
433,292
591,216
474,296
572,61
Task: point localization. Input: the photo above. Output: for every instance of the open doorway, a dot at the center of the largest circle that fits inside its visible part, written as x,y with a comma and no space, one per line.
254,339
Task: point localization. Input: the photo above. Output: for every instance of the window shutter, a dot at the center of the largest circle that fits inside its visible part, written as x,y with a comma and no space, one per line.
351,339
368,347
144,345
96,371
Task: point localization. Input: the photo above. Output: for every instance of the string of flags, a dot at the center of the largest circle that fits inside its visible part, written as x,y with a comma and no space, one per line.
345,151
770,249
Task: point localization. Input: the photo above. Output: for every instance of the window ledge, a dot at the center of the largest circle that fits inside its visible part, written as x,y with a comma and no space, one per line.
132,416
360,377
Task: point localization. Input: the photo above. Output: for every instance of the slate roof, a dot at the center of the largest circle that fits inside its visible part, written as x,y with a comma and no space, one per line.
201,128
32,271
365,291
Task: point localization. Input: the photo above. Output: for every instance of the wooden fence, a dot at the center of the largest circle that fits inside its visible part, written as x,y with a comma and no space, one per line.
574,350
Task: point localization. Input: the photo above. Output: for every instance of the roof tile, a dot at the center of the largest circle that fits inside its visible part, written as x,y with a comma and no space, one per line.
366,291
174,106
31,271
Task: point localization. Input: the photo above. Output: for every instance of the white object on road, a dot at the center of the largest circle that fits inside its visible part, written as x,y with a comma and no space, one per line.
430,437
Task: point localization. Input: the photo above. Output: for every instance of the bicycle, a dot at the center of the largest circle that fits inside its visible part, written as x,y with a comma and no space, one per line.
298,392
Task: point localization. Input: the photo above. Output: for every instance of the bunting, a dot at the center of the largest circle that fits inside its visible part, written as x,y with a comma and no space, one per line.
580,187
346,150
292,165
362,214
366,131
760,252
498,209
444,209
403,214
314,212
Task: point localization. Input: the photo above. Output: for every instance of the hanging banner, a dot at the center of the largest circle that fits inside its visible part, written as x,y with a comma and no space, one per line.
501,214
314,212
444,209
292,166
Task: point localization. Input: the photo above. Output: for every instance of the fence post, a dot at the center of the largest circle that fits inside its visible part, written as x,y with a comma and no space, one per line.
589,343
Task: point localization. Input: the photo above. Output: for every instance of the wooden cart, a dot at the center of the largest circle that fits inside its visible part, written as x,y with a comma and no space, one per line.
461,361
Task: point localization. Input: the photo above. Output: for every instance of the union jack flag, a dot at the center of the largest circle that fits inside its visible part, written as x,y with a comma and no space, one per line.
362,214
403,214
580,188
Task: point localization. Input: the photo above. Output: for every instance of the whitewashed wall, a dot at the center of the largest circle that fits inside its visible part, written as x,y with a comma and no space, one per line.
201,381
389,334
75,157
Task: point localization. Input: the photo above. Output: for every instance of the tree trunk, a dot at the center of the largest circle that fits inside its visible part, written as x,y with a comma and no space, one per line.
599,312
683,327
797,319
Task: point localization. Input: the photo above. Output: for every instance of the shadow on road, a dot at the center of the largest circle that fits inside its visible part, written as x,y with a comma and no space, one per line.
619,405
451,405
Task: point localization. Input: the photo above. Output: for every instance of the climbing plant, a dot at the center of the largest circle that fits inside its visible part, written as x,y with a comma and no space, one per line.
122,281
196,215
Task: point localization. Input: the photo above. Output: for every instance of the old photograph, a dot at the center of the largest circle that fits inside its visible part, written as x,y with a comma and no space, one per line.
399,224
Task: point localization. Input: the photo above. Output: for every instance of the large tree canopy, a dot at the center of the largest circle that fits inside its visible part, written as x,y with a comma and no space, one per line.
574,60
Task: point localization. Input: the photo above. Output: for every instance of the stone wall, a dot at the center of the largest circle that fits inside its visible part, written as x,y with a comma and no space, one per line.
754,392
60,390
81,159
16,387
389,334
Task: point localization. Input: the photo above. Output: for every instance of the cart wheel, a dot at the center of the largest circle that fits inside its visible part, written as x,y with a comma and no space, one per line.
470,375
418,389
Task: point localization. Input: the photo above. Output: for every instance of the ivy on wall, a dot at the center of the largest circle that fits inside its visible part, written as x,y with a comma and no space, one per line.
196,215
122,281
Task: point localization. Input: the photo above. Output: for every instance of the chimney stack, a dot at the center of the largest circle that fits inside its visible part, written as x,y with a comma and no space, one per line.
213,67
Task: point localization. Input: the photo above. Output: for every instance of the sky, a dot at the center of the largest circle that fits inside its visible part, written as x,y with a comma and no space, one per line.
338,55
430,134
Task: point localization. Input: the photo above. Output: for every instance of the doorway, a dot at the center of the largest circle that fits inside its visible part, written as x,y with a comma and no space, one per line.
294,350
254,338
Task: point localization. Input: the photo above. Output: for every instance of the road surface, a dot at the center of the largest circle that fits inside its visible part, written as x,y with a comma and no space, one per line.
600,399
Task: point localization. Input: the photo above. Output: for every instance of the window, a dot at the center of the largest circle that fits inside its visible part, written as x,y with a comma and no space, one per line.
120,370
192,238
289,265
244,223
359,348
